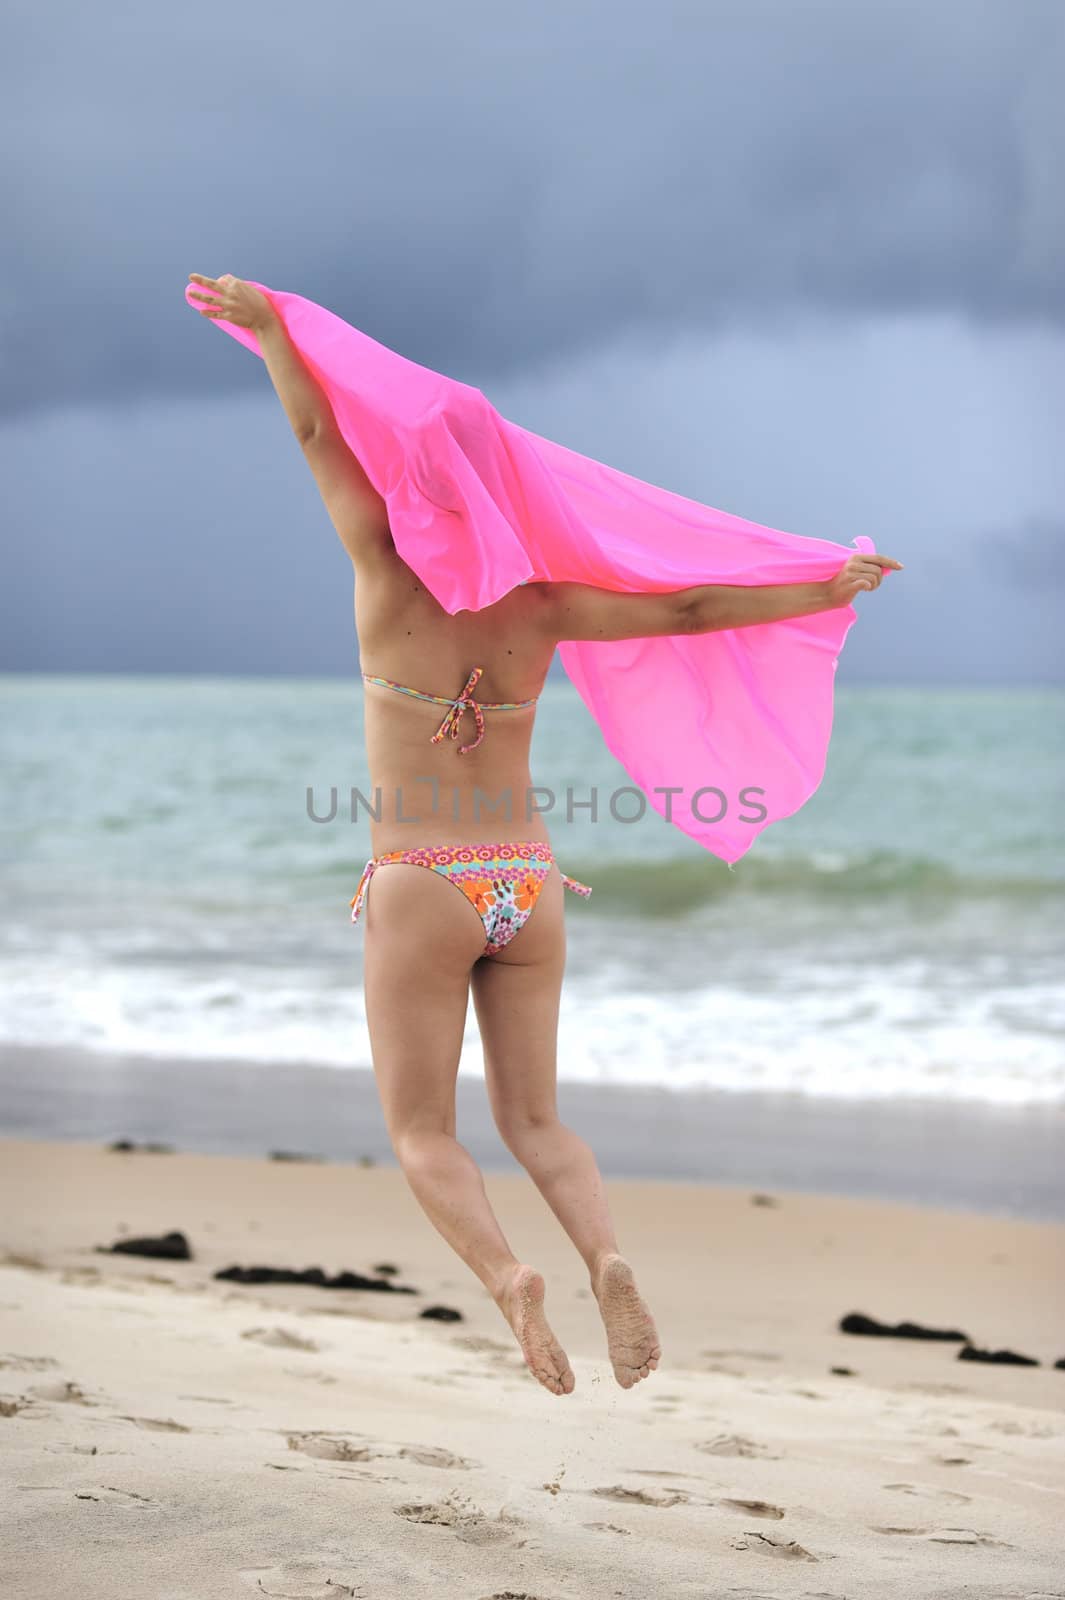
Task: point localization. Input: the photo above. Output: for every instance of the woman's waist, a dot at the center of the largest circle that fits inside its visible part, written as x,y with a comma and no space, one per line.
401,793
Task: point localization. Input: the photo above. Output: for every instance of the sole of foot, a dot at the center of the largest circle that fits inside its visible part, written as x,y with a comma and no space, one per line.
522,1303
632,1338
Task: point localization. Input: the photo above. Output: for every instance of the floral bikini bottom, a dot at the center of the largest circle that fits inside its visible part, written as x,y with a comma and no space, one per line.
502,882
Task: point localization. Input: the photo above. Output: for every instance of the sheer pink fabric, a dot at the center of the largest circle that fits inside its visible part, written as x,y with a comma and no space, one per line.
724,732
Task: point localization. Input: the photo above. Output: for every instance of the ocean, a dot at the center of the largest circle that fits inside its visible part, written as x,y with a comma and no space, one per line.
168,893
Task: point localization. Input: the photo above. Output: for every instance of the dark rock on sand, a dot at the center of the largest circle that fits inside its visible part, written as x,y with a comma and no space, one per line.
764,1200
355,1280
164,1247
386,1270
124,1146
261,1274
999,1358
312,1275
292,1155
858,1322
1059,1365
441,1314
843,1372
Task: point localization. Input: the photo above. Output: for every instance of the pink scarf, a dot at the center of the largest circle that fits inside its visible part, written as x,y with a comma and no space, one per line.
724,732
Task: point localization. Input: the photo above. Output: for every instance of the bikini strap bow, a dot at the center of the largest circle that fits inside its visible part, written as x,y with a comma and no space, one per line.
449,728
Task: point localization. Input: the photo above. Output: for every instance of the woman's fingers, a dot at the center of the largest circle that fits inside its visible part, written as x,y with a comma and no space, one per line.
208,299
198,277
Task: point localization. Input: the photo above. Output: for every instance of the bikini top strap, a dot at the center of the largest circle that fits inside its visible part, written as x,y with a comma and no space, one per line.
449,727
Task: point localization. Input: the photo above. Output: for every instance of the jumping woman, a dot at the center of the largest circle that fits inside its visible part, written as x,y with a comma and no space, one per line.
450,702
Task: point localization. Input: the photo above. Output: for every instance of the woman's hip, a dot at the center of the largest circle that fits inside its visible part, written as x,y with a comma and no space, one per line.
502,880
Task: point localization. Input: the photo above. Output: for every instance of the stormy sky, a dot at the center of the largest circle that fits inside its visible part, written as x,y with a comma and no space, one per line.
802,261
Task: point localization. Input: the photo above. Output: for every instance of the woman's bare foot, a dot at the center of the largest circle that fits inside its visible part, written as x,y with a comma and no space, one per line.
522,1303
631,1336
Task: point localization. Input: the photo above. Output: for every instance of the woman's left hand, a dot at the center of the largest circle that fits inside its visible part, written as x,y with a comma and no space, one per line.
233,300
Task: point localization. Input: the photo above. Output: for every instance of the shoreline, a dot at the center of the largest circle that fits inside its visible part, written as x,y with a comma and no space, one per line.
997,1161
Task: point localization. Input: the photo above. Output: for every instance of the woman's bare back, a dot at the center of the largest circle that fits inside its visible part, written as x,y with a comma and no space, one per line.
430,792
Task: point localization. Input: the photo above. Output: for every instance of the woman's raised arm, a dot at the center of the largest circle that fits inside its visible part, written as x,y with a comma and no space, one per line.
358,512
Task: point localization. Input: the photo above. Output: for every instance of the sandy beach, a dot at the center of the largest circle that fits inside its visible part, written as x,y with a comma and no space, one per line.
171,1436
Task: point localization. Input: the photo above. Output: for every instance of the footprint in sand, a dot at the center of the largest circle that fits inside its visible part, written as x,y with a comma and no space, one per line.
304,1580
27,1363
343,1447
104,1492
607,1527
947,1536
1024,1430
465,1520
927,1492
128,1496
753,1508
82,1450
279,1339
967,1536
478,1344
63,1390
734,1444
785,1550
659,1472
433,1455
331,1447
643,1497
157,1424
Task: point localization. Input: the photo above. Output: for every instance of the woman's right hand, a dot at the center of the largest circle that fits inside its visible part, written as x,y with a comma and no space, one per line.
232,300
859,572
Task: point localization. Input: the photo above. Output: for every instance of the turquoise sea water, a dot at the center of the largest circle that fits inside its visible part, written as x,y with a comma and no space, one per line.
165,890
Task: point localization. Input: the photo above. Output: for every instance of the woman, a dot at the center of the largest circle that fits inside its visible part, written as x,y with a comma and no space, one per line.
456,801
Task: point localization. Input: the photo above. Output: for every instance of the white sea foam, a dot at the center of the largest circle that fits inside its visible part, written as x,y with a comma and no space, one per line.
830,1038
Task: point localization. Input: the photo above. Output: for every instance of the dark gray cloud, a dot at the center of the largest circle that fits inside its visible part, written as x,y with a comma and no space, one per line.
802,262
187,534
487,188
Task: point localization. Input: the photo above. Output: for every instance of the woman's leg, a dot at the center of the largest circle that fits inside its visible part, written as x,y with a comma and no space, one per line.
422,937
516,996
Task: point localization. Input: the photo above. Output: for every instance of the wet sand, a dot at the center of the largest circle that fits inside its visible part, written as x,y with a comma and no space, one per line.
964,1156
